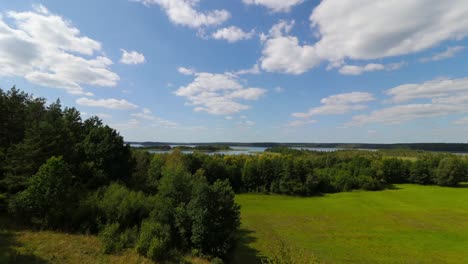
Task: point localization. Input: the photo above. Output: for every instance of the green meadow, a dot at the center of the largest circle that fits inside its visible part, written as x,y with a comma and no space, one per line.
408,224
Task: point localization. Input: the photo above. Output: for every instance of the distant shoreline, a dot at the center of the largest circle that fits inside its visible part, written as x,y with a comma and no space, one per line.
438,147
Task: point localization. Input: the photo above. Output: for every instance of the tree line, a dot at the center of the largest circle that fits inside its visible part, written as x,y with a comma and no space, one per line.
60,172
283,170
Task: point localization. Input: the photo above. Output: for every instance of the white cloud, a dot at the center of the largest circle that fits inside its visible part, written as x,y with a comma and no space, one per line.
371,67
156,121
218,93
104,115
275,5
462,121
132,57
48,50
232,34
371,132
447,96
366,30
339,104
186,71
430,89
283,53
246,123
183,12
254,70
228,117
279,89
404,113
448,53
299,123
106,103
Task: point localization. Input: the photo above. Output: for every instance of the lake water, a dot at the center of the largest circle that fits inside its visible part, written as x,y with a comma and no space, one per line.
236,150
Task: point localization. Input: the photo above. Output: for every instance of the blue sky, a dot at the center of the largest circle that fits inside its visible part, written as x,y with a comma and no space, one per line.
247,70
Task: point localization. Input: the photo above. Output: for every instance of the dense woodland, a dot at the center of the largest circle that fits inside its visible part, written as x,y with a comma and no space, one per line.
60,172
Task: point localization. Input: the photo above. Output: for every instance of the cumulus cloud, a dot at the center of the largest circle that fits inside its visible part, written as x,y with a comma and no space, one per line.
48,50
338,104
246,123
218,94
254,70
446,96
279,89
110,103
184,12
300,123
232,34
428,90
462,121
131,57
283,53
404,113
186,71
371,67
366,30
447,54
147,115
275,5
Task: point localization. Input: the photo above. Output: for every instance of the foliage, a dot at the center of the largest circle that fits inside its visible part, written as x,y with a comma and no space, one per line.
110,238
154,240
450,172
113,204
48,197
282,253
215,218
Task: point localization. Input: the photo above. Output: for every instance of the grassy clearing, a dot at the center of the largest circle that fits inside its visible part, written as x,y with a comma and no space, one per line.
20,245
410,224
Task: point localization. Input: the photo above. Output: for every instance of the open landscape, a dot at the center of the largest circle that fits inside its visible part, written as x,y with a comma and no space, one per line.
234,132
407,224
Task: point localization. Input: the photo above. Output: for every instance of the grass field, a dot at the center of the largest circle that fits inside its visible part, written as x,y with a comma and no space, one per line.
409,224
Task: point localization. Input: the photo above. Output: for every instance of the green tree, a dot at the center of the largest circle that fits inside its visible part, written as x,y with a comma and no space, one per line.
215,218
420,172
48,198
450,171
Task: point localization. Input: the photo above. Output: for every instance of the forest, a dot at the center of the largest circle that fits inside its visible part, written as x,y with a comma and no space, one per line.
60,172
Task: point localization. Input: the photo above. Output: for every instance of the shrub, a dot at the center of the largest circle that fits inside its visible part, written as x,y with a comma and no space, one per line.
114,203
450,171
111,239
154,240
369,184
48,197
216,261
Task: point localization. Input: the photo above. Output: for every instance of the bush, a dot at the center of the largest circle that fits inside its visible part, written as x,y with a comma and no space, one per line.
369,184
450,172
114,203
216,261
111,240
154,240
48,197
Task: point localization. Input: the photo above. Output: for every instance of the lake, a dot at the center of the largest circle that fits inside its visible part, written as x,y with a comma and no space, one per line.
236,150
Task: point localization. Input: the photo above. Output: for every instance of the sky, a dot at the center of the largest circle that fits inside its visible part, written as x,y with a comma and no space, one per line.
247,70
